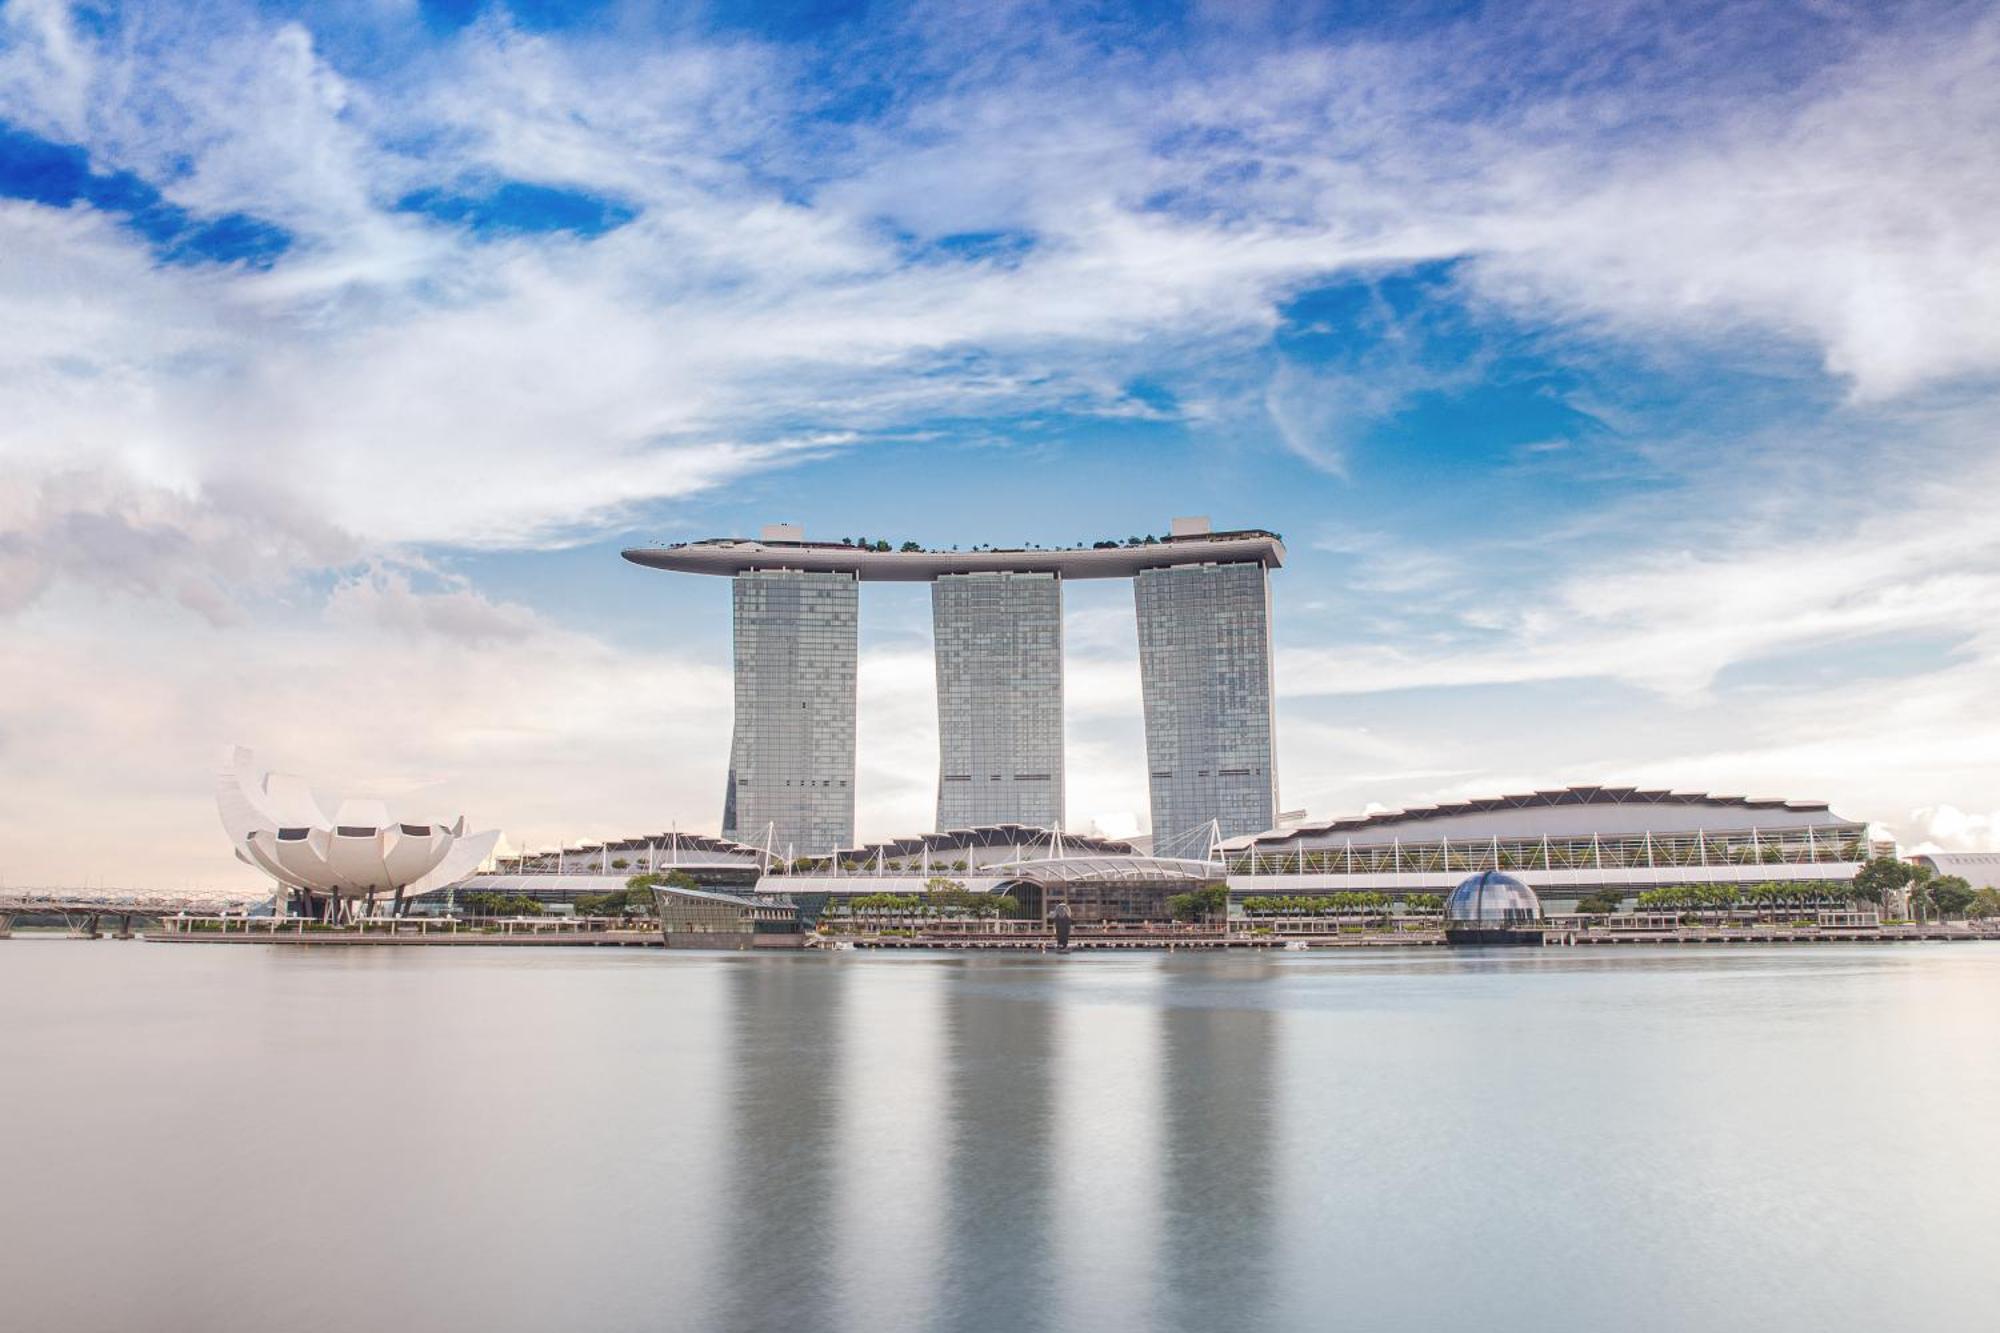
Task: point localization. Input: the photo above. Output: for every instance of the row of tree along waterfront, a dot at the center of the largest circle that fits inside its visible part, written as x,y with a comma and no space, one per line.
635,899
1365,903
1930,895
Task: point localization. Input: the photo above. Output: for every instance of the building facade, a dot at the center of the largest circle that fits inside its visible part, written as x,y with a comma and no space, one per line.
1204,631
1205,674
1979,869
998,640
1565,844
791,758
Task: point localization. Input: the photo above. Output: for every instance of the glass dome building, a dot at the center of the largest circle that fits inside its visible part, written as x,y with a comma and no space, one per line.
1491,908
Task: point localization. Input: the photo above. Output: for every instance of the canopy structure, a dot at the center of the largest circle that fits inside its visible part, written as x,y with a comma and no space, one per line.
1061,871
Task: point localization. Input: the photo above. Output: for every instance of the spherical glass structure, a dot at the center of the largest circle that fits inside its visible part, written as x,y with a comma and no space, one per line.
1491,899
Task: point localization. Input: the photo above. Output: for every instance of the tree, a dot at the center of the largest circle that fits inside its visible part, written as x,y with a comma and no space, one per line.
620,863
950,895
1602,903
1204,904
1985,904
500,904
911,546
1882,876
636,898
1951,895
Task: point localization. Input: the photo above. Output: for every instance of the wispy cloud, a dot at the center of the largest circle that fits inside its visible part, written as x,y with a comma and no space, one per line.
764,288
753,253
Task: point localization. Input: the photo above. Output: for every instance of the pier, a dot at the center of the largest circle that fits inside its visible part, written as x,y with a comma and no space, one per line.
89,917
446,932
174,922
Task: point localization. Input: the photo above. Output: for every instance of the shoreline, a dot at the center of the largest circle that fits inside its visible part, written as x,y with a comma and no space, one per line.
1550,938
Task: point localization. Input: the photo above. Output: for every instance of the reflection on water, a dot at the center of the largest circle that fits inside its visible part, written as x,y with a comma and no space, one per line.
998,1262
785,1048
1217,1068
234,1138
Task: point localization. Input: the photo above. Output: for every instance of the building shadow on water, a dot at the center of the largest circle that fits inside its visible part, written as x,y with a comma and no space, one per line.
1001,1052
1218,1076
785,1023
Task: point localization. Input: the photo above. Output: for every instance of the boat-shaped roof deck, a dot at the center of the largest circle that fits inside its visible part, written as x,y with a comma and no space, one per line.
741,555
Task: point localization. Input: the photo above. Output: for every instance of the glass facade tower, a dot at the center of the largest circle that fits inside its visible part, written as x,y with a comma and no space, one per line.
998,640
1204,609
791,761
1205,677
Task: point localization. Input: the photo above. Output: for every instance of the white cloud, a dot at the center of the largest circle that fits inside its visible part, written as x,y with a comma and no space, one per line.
201,437
1855,217
438,700
414,386
1950,829
1672,619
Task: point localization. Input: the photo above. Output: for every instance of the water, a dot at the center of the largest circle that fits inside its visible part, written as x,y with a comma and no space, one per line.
218,1138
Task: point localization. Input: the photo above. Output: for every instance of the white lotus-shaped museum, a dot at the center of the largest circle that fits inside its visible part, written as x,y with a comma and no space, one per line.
360,853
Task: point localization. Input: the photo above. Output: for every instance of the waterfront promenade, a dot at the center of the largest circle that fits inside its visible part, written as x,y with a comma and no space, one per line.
1019,937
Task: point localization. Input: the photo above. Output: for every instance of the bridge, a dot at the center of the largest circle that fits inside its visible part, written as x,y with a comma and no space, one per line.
86,915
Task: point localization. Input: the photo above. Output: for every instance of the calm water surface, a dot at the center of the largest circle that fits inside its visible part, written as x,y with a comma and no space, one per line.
211,1138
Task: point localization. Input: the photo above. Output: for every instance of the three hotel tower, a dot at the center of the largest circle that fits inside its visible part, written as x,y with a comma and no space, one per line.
1204,611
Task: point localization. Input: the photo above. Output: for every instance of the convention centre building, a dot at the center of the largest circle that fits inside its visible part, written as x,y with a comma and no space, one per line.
1564,844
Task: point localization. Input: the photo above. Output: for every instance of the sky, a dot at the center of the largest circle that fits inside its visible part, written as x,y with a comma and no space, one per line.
1621,376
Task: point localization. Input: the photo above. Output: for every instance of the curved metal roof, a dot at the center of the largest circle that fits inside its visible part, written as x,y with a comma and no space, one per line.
982,835
1526,801
1106,870
738,555
676,843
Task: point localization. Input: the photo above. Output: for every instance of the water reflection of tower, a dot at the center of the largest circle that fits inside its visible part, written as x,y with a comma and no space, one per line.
785,1038
1001,1052
1218,1075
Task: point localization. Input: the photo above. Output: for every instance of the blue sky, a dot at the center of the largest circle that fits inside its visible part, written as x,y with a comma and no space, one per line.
1620,377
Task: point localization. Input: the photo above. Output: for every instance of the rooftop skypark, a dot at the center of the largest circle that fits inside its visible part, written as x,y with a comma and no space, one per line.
783,546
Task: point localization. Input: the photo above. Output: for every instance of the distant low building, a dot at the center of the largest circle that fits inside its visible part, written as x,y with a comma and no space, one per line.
1565,844
703,919
1979,869
563,876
